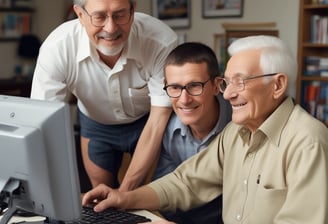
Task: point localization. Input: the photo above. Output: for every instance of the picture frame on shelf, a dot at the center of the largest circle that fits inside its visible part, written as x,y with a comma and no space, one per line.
175,14
222,8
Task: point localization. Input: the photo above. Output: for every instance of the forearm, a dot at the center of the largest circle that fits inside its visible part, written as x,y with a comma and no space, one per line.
148,148
142,198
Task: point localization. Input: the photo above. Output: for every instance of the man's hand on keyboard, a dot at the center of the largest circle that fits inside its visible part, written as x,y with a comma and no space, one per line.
102,197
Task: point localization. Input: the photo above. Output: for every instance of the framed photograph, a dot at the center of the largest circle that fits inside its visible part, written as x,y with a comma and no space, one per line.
222,8
176,14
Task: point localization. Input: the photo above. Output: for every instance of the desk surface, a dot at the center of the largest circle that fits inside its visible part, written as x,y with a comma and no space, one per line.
40,219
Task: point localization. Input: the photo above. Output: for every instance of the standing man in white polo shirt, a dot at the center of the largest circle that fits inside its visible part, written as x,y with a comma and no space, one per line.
111,59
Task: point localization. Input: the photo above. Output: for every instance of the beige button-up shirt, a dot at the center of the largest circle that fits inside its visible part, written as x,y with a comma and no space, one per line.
279,176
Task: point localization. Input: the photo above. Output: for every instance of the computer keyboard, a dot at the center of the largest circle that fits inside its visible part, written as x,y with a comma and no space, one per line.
110,216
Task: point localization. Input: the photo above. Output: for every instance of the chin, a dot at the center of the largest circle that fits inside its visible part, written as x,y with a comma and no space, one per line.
110,51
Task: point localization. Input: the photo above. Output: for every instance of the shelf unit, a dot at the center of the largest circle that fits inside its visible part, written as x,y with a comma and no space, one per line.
312,79
14,22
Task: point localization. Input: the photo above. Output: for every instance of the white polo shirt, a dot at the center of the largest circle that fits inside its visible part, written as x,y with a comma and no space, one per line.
67,63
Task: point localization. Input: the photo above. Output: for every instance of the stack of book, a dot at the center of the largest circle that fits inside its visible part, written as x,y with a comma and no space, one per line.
316,100
316,66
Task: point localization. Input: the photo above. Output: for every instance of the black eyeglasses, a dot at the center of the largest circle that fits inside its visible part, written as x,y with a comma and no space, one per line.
238,83
192,88
100,19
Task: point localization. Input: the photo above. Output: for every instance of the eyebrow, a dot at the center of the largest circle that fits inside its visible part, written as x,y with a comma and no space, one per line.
105,12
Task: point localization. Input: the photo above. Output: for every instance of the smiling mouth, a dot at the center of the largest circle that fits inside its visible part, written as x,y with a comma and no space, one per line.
187,110
110,38
236,106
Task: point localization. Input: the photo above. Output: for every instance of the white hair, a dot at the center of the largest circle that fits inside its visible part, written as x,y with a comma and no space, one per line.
275,56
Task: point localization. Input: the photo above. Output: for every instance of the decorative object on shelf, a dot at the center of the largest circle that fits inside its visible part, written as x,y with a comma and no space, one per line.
222,8
176,14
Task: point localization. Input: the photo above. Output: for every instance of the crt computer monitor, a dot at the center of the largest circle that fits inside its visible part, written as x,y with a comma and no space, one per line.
38,170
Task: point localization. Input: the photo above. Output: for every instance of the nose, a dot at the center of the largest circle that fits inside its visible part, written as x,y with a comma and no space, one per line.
110,25
229,92
185,97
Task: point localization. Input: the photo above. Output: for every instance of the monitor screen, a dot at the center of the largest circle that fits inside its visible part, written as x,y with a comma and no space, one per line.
38,162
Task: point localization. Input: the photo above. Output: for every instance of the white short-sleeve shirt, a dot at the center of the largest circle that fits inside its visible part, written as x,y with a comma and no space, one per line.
67,63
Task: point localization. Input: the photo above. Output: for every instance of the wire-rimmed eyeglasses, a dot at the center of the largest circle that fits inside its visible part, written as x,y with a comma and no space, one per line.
192,88
238,83
100,19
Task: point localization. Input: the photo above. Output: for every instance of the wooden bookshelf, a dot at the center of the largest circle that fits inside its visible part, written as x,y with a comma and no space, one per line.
312,79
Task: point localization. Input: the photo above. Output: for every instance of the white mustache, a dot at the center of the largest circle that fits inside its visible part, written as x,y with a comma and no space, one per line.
104,34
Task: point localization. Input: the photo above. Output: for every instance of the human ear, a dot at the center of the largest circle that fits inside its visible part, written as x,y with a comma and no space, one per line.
216,85
78,11
280,85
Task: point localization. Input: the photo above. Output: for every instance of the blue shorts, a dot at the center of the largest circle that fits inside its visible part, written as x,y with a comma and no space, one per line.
108,142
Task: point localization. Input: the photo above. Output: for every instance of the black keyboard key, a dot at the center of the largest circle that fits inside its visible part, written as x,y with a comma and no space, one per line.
109,216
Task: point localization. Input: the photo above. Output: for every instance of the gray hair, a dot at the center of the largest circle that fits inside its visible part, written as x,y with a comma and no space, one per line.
275,56
82,3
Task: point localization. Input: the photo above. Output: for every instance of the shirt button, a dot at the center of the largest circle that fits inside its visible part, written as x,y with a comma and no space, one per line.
238,217
250,155
245,182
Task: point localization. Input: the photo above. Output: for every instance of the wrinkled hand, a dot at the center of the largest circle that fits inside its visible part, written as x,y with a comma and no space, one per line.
103,197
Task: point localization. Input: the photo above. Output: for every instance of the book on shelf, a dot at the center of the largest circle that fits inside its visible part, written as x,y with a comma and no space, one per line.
315,66
13,24
319,29
316,100
319,1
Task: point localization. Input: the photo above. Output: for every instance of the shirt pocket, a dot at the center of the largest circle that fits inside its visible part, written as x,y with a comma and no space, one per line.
139,101
268,203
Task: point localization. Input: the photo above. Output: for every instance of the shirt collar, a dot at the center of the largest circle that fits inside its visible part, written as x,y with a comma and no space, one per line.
84,50
273,126
185,129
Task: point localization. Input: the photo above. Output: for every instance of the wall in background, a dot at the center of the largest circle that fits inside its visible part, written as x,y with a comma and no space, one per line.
284,13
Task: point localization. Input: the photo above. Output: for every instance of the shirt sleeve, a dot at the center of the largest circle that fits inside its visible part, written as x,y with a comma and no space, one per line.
196,181
156,82
49,76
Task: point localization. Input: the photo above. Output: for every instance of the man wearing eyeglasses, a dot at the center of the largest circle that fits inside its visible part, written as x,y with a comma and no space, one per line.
270,163
191,81
111,59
